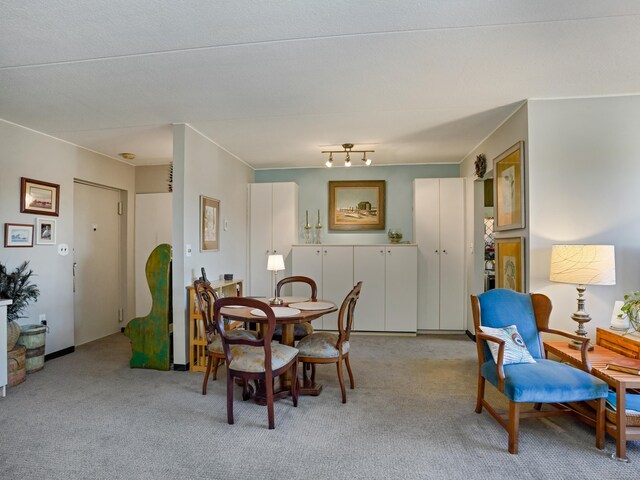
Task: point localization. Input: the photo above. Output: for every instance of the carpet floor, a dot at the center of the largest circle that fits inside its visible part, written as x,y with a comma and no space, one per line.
87,415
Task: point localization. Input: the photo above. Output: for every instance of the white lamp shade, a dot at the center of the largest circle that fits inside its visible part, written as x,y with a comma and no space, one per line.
275,263
583,264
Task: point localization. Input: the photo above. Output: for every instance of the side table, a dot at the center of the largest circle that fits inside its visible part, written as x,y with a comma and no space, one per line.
598,359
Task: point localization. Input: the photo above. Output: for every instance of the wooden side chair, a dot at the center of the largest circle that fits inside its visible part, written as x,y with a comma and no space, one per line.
301,330
326,347
520,370
255,359
206,296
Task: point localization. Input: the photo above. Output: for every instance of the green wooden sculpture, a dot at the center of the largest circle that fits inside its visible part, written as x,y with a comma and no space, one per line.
150,335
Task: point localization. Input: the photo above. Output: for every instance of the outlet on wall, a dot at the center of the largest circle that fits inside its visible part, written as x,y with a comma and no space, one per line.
42,317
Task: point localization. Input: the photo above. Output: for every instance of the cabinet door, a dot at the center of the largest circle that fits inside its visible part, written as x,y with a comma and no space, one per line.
452,277
337,280
260,239
369,267
285,219
426,230
401,314
307,261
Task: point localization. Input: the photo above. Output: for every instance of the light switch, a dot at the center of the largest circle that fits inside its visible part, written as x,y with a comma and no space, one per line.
188,250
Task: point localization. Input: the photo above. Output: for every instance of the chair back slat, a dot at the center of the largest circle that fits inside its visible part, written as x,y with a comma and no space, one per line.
346,315
300,279
502,307
206,297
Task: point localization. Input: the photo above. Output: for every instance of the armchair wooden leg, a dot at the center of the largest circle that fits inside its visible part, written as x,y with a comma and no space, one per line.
480,394
600,422
206,375
229,398
341,380
352,383
514,423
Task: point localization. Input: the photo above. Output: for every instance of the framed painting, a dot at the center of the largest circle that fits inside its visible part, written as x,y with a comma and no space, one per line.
39,197
209,224
510,263
18,235
357,205
45,231
508,189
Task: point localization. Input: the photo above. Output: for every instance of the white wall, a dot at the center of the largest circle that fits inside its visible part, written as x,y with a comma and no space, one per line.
26,153
203,168
513,130
584,176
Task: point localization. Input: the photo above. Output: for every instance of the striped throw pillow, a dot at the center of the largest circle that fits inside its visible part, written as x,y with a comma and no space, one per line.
515,351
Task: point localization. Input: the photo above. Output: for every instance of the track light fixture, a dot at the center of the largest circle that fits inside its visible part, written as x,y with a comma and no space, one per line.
348,150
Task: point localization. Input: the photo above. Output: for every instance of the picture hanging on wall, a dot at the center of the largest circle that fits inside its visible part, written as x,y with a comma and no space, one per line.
209,224
508,189
45,231
510,263
39,197
357,205
18,235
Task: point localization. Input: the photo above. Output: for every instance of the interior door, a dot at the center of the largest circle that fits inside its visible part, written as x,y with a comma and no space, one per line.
97,276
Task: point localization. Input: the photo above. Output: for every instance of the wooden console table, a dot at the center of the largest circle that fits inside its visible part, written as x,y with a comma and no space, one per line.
598,359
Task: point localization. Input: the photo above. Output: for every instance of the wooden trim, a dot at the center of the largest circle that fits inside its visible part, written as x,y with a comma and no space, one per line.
59,353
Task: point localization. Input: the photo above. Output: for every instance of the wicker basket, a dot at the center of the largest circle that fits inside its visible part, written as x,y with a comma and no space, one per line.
632,420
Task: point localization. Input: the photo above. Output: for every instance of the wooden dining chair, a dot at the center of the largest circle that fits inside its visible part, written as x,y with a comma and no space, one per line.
206,296
301,330
326,347
255,359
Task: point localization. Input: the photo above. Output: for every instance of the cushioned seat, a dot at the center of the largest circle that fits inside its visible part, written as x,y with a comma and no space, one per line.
321,345
545,381
300,330
216,343
245,358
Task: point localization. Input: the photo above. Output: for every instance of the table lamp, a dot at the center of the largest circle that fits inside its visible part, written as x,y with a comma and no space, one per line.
582,265
274,264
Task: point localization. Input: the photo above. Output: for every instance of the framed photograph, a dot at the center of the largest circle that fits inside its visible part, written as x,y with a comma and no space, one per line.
18,235
45,231
510,263
39,197
508,189
357,205
209,224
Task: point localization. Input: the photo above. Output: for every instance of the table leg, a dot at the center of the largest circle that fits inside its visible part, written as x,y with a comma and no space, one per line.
288,338
621,424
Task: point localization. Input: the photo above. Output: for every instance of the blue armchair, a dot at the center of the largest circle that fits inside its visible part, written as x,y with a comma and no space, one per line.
542,381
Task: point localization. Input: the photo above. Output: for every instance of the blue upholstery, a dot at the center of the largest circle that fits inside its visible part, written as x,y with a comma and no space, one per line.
501,307
545,381
632,403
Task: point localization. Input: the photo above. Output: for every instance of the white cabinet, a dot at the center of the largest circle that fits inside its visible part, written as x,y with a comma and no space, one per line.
3,346
388,301
439,232
273,217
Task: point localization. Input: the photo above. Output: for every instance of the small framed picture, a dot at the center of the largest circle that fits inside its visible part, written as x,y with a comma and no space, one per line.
209,224
18,235
39,197
45,231
508,189
510,263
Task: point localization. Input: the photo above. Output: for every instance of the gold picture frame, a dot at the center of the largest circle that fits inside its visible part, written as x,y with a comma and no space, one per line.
510,263
41,198
508,189
357,205
209,224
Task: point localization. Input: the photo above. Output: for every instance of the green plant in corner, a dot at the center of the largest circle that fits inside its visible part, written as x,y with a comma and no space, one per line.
17,286
631,308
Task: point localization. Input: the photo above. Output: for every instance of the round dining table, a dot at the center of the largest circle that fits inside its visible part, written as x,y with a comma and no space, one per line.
288,324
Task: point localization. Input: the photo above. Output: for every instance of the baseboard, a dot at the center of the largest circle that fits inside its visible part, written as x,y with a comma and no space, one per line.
59,353
471,335
180,367
441,332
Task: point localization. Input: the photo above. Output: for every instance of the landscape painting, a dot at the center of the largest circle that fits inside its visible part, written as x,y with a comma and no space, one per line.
357,205
39,197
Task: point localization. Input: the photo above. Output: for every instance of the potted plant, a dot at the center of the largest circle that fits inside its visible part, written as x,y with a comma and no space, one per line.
631,309
16,286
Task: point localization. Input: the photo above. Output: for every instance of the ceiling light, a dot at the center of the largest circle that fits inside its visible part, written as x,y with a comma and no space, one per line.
127,155
348,150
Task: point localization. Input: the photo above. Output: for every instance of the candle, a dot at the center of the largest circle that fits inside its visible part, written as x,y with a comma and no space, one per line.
307,218
318,216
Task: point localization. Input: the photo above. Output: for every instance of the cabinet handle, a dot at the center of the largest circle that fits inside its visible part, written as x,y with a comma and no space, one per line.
381,251
389,252
317,252
274,251
325,252
444,251
436,251
267,252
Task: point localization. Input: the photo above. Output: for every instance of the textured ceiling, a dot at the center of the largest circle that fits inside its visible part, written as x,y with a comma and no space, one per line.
276,82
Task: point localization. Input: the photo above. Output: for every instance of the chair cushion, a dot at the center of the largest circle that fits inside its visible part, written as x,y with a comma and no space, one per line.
321,345
246,358
515,351
216,344
300,330
546,381
501,307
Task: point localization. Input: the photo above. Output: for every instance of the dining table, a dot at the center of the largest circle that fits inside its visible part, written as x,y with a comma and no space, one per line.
292,311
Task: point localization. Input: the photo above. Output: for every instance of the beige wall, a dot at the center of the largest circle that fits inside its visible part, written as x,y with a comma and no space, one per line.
25,153
203,168
152,178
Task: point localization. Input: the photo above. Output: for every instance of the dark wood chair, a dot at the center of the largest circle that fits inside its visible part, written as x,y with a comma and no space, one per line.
255,359
206,297
326,347
301,330
538,382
